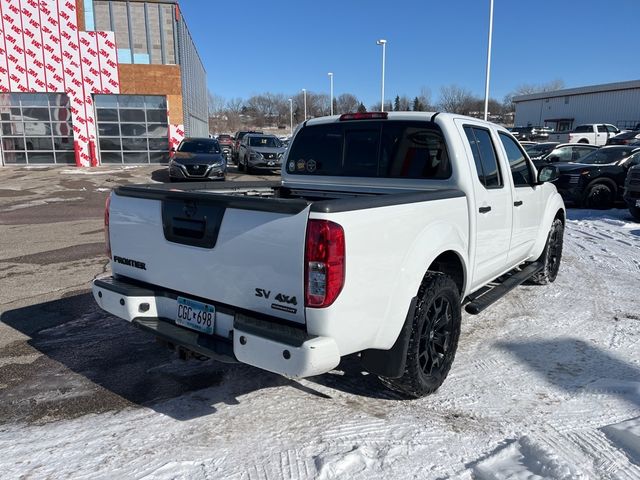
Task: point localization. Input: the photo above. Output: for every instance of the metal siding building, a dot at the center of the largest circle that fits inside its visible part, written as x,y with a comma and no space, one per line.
615,103
194,85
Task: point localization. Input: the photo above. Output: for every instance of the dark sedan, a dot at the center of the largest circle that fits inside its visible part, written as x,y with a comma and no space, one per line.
625,138
598,180
197,159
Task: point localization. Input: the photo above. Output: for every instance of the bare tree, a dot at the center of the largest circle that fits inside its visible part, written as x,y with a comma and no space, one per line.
215,104
425,98
346,103
456,99
528,89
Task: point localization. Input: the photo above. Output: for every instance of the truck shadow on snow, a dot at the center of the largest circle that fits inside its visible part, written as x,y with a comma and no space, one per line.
578,367
92,362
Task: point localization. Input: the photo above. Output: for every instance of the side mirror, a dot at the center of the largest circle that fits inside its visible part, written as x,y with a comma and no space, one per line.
552,158
548,173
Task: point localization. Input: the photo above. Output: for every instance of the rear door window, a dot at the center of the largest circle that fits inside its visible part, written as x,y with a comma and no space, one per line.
389,149
484,156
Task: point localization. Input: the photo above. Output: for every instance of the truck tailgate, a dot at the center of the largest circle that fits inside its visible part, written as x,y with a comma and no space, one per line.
214,247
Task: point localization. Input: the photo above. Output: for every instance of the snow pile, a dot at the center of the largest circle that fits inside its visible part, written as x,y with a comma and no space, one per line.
526,459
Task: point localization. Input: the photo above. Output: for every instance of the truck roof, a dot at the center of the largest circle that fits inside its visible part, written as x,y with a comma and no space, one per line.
425,116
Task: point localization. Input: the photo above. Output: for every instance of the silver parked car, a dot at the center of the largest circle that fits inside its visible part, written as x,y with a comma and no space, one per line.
260,152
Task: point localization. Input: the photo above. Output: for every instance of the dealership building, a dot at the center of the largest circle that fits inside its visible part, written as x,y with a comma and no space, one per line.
90,82
615,103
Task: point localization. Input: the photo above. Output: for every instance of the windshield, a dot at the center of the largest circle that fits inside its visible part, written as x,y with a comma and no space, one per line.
539,150
268,142
605,156
199,146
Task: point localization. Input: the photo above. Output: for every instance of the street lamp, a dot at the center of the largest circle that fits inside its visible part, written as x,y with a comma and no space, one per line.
331,96
304,92
382,42
291,115
486,84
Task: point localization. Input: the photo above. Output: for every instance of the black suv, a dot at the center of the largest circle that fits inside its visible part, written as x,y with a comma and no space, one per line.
598,180
531,133
632,192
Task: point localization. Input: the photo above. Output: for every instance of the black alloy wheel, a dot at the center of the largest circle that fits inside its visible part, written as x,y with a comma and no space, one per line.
435,337
551,255
435,331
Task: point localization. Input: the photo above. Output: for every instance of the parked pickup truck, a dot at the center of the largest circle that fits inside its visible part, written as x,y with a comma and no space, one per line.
592,133
383,227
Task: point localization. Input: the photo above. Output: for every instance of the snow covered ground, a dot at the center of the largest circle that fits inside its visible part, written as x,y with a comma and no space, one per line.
546,384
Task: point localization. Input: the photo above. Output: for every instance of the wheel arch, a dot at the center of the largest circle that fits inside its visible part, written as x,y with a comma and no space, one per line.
609,182
554,209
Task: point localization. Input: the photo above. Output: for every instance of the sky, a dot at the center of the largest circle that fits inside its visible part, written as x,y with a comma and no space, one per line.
283,46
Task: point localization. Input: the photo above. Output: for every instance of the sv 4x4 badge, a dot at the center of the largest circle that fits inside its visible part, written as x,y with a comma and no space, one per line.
281,298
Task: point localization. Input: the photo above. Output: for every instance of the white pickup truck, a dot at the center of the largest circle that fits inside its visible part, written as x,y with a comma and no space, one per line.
383,227
591,133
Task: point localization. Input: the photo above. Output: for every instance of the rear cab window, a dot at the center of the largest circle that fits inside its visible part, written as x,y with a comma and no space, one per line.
373,148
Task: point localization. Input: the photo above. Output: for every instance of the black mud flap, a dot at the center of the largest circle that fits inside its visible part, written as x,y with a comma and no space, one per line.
390,363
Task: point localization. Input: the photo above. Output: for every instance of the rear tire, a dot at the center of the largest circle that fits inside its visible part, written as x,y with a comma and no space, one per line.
434,338
599,196
635,213
551,255
583,140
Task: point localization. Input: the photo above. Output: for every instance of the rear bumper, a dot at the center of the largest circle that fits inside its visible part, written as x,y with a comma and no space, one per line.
239,336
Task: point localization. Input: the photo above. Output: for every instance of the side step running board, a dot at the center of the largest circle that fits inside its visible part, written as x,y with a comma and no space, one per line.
478,304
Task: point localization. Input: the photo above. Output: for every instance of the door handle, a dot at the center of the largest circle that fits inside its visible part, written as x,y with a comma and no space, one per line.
484,209
518,203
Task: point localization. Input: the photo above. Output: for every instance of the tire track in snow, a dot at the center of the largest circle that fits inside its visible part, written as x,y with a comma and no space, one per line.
608,460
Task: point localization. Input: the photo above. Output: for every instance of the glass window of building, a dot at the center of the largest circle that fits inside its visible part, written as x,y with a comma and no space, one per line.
132,128
36,128
144,30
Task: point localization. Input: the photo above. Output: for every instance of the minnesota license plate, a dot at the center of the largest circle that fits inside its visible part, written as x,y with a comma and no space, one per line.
196,315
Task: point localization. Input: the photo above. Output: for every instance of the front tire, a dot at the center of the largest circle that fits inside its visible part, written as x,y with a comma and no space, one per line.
434,338
599,197
551,255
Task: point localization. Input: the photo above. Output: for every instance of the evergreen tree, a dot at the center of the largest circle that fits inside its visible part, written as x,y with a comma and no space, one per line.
417,105
362,108
396,104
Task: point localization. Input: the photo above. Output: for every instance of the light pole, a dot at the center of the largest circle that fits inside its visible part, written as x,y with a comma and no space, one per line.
486,85
382,42
331,96
291,116
304,92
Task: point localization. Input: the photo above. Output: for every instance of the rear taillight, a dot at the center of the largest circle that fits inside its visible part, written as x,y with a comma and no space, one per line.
107,241
324,263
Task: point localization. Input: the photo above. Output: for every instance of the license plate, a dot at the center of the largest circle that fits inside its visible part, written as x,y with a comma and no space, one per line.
196,315
637,203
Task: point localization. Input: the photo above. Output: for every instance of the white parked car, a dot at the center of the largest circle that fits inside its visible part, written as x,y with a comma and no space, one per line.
592,133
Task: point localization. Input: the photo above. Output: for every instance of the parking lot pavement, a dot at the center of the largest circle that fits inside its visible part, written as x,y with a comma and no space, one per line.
546,383
51,248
